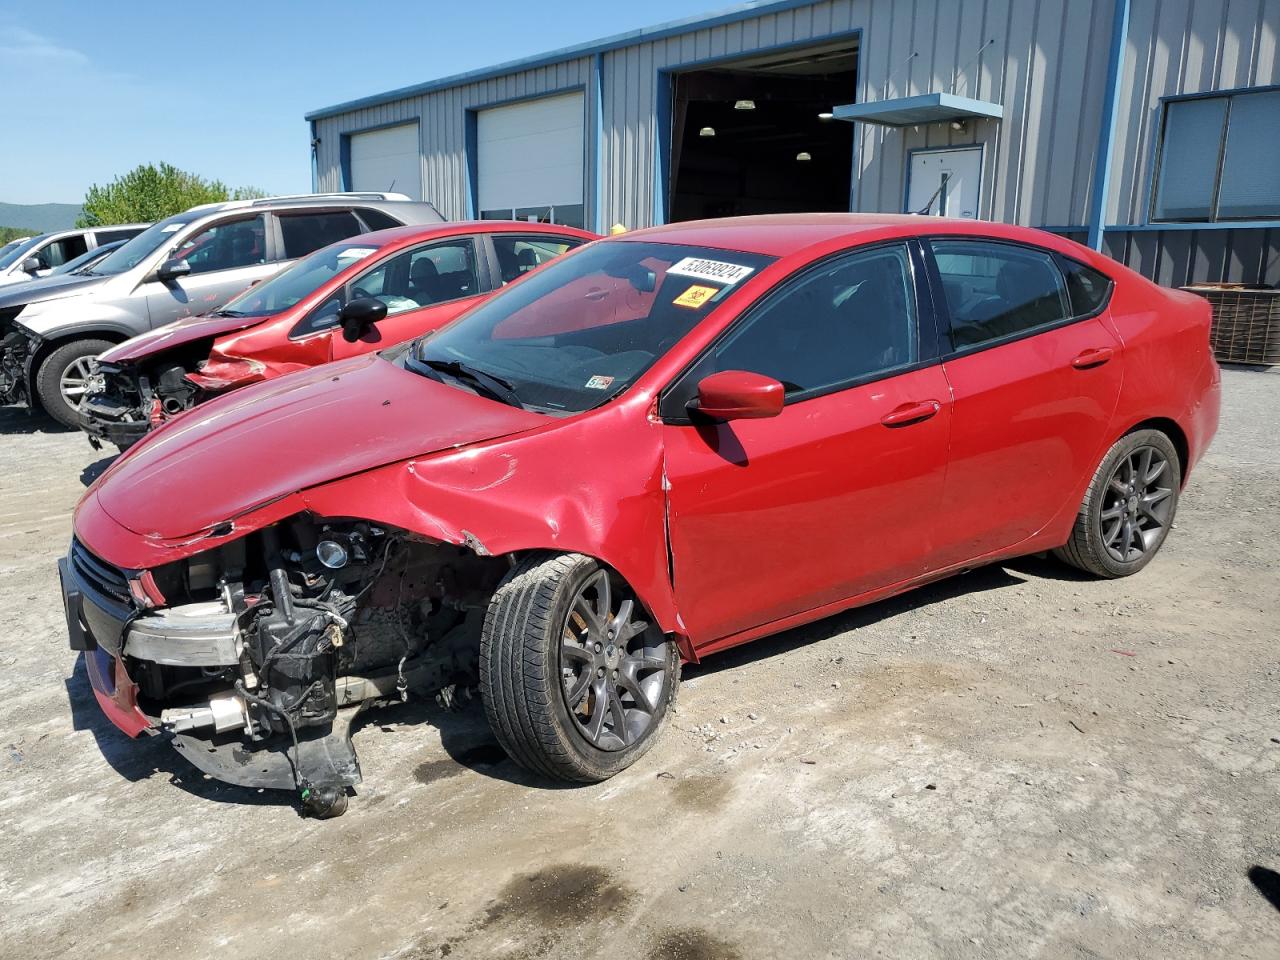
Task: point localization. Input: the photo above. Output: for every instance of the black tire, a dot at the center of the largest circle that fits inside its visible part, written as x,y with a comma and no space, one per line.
526,676
48,377
1121,492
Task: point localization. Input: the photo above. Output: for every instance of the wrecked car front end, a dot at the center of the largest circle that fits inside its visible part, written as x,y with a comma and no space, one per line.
255,656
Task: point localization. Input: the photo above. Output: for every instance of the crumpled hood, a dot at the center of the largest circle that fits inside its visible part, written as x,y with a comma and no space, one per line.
229,456
176,334
48,288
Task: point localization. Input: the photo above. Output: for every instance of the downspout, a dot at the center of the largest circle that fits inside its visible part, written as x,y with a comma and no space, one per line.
315,159
597,146
1107,133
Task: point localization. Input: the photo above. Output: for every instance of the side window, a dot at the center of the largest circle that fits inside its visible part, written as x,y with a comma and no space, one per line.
996,290
377,220
1086,287
60,251
518,255
225,246
305,233
111,236
847,319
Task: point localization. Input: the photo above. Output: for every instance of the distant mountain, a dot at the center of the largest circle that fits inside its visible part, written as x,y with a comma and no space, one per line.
40,217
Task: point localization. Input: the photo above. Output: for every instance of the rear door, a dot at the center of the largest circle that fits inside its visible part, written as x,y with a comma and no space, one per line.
1035,374
839,494
225,257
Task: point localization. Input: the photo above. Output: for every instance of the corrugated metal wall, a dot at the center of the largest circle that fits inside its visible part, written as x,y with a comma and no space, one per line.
1176,258
443,114
1182,46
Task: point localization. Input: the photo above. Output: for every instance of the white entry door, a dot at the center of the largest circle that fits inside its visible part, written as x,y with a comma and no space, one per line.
945,183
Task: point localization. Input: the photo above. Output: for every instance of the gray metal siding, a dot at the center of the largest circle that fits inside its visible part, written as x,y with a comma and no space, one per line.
1176,258
443,115
1175,47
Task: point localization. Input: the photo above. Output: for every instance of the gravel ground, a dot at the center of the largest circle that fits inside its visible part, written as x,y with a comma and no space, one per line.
1019,762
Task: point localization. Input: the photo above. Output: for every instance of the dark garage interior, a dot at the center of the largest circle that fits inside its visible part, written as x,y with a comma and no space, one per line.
749,138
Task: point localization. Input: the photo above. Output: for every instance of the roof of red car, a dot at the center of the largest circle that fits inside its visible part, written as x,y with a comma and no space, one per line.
783,233
450,228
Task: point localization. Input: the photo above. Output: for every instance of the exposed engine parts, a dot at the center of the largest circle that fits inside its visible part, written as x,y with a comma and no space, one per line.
274,642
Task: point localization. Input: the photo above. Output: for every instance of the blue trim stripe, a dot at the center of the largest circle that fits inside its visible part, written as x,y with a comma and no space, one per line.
1107,140
597,144
756,8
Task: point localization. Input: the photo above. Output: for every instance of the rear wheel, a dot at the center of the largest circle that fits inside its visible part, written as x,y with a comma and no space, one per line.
62,378
575,681
1129,507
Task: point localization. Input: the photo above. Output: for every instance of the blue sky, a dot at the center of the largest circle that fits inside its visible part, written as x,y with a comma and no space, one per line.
90,90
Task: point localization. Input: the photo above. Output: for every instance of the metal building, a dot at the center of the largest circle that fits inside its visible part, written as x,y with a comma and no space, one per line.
1147,128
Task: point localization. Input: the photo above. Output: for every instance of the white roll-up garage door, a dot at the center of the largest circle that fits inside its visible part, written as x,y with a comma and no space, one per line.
530,160
387,160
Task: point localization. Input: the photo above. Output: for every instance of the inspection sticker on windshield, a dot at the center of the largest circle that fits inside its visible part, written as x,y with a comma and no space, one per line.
695,296
599,383
714,270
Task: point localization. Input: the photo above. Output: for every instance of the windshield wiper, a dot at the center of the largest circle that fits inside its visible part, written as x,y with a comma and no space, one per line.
487,383
226,313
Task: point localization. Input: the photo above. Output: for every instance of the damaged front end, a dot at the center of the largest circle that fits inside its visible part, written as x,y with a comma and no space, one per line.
127,399
15,352
256,656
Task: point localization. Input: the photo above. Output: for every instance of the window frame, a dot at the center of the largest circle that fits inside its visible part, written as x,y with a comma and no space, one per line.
673,399
270,243
495,281
479,255
947,342
279,216
1158,160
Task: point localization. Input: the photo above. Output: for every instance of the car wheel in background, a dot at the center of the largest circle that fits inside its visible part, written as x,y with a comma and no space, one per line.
1129,507
575,680
63,377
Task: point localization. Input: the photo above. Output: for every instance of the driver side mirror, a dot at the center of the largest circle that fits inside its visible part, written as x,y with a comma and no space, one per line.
738,395
33,265
359,315
172,270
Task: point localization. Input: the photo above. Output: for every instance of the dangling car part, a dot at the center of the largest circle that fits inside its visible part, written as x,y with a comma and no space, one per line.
656,447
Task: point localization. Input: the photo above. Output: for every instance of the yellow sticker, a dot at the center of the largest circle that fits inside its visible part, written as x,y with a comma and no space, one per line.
695,296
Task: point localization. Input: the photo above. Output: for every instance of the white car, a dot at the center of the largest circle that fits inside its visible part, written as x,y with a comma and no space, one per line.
32,257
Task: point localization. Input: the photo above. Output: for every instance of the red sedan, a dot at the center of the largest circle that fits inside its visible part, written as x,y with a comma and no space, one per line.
656,447
353,297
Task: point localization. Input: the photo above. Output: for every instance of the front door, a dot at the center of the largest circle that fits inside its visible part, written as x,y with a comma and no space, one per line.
224,258
838,494
1035,378
945,183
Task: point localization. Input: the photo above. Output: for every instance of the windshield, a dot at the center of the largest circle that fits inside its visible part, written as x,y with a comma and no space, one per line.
144,244
15,251
583,328
299,281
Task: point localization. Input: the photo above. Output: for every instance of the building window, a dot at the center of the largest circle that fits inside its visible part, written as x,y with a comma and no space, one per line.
1218,160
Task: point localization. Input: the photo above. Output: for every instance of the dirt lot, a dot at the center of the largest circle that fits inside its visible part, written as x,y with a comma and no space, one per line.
1015,763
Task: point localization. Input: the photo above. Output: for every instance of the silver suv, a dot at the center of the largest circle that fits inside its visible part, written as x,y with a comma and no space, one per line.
191,263
34,257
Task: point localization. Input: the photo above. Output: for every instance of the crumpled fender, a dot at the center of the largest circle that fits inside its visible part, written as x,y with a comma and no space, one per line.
534,491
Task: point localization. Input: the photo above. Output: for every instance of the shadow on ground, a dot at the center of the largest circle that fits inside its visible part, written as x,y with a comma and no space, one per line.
1267,883
16,420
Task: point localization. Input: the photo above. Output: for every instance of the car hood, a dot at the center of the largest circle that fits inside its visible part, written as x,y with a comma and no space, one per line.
230,456
48,288
176,334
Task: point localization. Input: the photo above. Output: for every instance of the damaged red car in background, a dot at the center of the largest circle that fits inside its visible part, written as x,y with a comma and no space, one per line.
656,447
352,297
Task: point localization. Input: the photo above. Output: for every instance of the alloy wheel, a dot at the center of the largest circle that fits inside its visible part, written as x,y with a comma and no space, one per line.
612,665
75,380
1136,509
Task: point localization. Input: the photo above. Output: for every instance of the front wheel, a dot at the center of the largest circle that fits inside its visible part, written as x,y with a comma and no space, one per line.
1129,507
62,378
575,682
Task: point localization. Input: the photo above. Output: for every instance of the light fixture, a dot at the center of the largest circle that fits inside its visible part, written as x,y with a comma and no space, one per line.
745,105
804,155
826,115
332,554
707,132
958,125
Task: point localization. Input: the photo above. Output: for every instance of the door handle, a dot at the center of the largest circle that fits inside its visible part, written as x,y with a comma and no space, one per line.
908,413
1093,358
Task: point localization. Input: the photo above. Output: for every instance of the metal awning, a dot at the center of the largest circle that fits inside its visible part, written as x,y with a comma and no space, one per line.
925,108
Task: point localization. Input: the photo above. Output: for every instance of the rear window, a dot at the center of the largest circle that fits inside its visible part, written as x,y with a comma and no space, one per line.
377,220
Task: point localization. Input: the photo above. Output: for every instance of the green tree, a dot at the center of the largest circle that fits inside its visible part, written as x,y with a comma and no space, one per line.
153,192
12,233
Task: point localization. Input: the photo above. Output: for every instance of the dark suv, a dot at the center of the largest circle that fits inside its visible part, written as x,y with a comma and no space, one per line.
51,330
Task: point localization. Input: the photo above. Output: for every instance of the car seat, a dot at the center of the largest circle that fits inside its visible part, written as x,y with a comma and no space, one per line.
424,281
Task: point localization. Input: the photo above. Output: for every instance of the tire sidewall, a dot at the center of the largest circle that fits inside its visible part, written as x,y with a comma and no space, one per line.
599,764
1121,449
